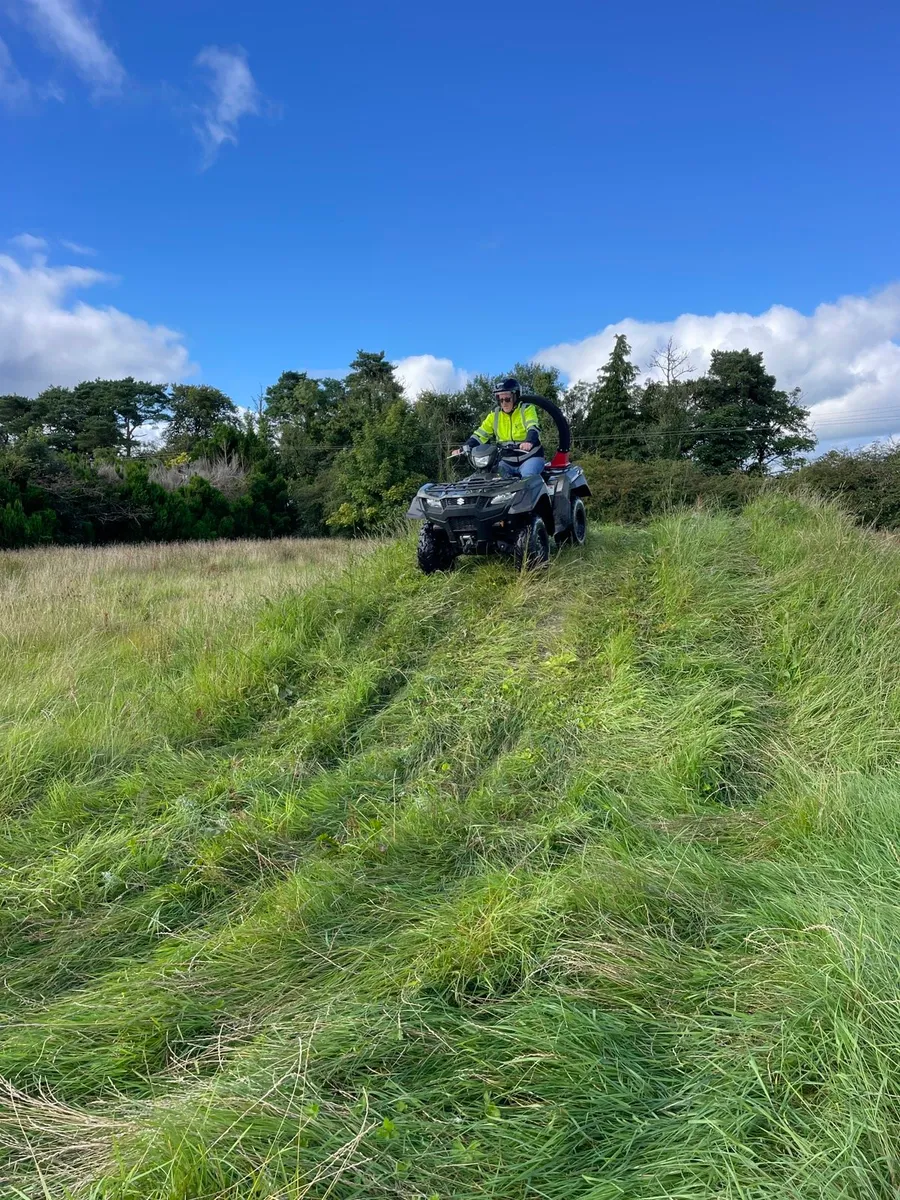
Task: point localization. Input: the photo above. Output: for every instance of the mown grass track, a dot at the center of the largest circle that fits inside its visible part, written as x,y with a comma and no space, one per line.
580,886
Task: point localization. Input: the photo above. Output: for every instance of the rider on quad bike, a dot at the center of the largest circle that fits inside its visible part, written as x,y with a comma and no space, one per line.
512,503
512,421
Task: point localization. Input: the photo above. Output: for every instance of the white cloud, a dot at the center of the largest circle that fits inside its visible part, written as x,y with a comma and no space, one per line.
234,95
14,89
63,25
844,356
45,338
75,248
51,90
30,243
425,373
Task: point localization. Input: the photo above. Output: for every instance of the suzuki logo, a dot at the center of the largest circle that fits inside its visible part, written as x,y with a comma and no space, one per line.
460,499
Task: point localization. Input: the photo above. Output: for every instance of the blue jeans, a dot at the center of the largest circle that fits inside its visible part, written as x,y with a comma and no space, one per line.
531,466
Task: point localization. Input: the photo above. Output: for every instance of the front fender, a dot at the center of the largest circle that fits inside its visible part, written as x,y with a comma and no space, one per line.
416,509
528,496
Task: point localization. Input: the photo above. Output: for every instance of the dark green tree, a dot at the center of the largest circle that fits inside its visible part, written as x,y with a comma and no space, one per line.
666,417
135,404
26,509
16,417
612,424
370,387
79,419
666,404
308,420
373,479
196,410
743,420
97,414
278,398
310,405
575,401
479,393
445,420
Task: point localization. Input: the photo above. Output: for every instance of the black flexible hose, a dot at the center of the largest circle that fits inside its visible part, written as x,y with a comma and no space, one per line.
565,433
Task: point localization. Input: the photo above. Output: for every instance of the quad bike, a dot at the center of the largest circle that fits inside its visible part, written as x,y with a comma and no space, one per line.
488,513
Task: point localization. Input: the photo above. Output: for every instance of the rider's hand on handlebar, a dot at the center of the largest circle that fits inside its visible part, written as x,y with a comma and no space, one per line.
525,446
456,453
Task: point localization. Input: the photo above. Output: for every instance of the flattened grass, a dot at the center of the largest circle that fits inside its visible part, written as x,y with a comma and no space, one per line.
579,886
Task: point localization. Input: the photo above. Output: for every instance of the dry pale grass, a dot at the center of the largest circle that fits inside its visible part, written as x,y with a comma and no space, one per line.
55,587
98,643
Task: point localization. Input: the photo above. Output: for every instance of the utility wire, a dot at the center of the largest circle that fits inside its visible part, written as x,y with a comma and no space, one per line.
644,434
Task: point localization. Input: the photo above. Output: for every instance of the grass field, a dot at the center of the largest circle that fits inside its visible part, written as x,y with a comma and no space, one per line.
323,879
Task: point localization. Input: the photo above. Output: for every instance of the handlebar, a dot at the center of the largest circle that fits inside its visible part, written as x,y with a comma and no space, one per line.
499,452
508,448
504,448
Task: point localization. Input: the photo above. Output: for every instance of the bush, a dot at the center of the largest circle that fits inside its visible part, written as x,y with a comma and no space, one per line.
26,517
52,497
236,490
226,473
18,528
638,491
866,482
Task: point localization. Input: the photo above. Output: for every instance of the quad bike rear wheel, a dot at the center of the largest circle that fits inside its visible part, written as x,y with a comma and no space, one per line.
532,549
434,551
576,534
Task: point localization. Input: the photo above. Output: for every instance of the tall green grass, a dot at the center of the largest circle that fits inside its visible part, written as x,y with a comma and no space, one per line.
324,879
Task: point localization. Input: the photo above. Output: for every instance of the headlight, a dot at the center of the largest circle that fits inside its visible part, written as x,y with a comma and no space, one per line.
432,502
501,497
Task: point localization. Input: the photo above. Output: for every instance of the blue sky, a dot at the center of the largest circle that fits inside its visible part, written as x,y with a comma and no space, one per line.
461,186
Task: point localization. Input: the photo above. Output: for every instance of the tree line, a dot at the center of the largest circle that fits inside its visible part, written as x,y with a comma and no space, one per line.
114,460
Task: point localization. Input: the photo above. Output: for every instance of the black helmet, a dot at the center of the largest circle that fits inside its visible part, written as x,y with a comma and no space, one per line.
508,385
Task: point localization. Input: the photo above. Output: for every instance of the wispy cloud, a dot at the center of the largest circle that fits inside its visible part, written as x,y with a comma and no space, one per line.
75,248
234,95
51,90
30,243
74,34
15,90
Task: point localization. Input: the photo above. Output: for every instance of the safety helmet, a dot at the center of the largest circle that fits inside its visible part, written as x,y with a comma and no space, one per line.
508,385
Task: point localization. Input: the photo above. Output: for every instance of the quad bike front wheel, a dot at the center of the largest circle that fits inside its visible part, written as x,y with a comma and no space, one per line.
532,549
434,551
576,534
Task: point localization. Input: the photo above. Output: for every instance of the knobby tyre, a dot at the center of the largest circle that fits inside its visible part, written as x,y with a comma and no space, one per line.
532,549
434,551
576,534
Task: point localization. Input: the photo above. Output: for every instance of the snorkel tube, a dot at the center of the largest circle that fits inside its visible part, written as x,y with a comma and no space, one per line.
561,457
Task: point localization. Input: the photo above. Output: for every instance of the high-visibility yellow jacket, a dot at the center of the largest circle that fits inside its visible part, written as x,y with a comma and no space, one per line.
521,425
